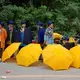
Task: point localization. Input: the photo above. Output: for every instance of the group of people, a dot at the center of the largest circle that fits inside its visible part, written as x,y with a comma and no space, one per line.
45,36
11,34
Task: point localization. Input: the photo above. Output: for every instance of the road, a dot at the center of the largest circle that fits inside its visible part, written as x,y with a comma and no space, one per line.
37,71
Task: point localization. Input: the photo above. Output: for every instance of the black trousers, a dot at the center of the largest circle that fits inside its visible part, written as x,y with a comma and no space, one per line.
1,51
6,46
20,47
41,58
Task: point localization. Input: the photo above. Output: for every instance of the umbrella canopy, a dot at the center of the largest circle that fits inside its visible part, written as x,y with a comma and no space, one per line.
57,57
29,54
9,51
57,35
75,52
71,39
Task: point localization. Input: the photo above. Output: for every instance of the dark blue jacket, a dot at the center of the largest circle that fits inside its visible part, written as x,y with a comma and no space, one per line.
41,33
27,36
17,36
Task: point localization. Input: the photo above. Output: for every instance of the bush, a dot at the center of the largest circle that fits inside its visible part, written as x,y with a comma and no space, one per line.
64,14
20,13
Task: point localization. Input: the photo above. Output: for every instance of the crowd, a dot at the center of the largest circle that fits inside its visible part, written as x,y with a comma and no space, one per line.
10,34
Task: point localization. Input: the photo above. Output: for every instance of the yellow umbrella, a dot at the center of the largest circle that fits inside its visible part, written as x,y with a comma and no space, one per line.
57,35
9,51
75,52
57,57
29,54
71,39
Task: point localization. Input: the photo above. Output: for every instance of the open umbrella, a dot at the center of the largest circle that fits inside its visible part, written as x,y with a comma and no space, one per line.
29,54
57,35
57,57
75,52
9,51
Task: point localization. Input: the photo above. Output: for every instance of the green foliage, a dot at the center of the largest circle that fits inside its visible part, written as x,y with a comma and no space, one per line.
68,18
19,13
65,14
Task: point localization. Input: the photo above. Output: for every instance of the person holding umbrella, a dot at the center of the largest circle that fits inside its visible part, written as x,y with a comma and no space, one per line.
3,36
48,38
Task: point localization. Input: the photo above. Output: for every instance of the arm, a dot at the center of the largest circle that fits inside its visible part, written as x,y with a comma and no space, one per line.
5,34
45,39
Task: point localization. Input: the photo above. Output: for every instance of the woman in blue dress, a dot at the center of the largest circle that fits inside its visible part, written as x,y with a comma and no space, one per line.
48,37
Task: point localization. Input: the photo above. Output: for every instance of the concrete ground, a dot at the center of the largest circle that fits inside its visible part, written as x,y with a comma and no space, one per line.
37,71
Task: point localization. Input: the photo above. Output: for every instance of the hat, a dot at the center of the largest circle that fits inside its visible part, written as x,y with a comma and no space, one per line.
2,23
49,23
11,22
40,23
23,22
65,38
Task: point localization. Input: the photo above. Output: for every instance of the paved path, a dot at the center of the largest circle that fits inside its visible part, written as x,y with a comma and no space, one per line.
37,71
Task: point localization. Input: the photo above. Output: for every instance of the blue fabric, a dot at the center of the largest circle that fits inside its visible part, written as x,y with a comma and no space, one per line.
49,23
23,22
25,38
11,22
49,40
49,36
22,39
40,23
65,38
41,33
2,23
17,36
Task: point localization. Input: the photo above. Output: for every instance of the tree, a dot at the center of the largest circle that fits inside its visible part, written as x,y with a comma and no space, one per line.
64,13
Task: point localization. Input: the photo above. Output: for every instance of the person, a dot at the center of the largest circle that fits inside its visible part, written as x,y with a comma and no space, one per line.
41,32
17,34
77,39
3,36
48,37
57,41
25,34
66,43
11,33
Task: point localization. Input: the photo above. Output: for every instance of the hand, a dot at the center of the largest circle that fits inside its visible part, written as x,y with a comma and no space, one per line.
22,30
45,42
